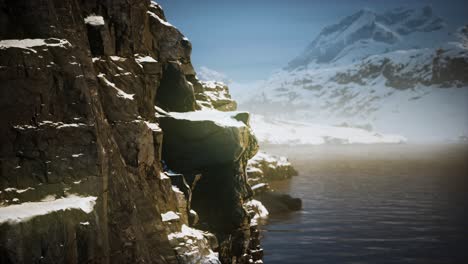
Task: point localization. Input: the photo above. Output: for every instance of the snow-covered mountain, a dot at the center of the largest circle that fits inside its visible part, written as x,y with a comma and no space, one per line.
400,72
367,33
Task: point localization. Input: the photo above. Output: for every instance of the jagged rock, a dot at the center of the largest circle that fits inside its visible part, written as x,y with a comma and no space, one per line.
445,68
279,202
260,187
215,95
193,220
184,195
217,146
193,247
449,70
79,84
205,138
244,117
257,210
264,167
175,92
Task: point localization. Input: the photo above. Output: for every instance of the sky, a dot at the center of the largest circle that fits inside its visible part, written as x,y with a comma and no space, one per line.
249,39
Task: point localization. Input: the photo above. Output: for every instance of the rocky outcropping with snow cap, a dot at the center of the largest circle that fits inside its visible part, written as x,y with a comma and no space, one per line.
262,170
266,167
215,95
217,146
87,175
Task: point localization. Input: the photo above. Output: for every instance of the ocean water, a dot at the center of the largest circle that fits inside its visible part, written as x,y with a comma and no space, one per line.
373,204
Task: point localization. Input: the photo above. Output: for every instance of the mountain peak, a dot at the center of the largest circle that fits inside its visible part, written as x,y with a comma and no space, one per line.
366,13
362,17
407,21
367,29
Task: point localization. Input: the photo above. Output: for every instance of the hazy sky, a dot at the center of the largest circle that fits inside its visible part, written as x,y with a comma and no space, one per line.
248,39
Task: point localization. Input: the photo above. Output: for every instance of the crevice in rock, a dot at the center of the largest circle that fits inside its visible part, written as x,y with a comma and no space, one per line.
175,93
96,43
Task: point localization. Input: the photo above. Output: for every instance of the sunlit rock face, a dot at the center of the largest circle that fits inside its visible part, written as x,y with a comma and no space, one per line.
215,145
264,169
215,95
82,178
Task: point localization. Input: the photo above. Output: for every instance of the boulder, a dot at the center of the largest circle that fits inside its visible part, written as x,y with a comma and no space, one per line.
279,202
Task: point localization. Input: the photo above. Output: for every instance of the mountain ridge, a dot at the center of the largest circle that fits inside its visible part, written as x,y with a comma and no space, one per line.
366,25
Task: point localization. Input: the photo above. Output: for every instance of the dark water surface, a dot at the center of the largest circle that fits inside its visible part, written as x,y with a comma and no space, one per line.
373,204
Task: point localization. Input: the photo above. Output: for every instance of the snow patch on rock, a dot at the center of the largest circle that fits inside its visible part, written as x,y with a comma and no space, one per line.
163,176
176,190
120,93
192,246
260,210
160,20
94,20
28,44
169,216
153,126
47,123
225,119
18,190
25,211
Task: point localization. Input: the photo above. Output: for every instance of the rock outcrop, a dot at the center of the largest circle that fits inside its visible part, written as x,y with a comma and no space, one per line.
445,67
264,169
215,95
277,202
82,149
215,146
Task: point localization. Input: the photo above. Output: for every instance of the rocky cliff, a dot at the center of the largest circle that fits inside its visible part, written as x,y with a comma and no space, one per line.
102,158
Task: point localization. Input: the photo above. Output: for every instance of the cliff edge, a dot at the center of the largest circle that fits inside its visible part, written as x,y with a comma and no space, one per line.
105,154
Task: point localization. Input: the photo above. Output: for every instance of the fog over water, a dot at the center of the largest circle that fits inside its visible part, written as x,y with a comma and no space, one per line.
373,204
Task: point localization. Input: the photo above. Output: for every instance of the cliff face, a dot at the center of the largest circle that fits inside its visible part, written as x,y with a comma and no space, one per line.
87,164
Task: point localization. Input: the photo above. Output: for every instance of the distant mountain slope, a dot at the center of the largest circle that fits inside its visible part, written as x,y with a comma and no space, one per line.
399,72
367,32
